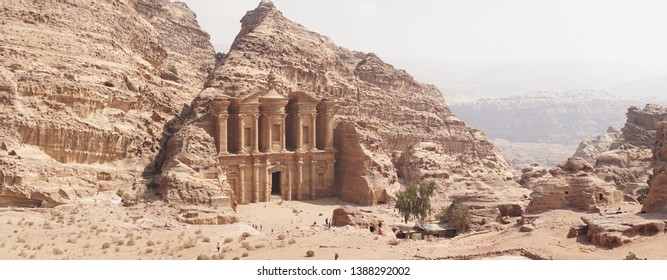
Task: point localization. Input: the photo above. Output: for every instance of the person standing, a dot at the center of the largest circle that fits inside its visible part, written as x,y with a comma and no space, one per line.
218,246
336,256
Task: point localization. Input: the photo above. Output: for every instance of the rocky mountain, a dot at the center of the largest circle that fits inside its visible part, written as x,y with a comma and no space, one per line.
624,157
562,117
88,93
382,112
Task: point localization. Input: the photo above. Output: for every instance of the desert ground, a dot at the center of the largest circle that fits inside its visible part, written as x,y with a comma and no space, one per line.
101,228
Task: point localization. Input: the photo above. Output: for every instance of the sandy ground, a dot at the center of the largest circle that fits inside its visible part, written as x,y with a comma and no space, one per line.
101,228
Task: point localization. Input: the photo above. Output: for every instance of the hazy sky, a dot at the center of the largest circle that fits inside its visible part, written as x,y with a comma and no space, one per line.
471,30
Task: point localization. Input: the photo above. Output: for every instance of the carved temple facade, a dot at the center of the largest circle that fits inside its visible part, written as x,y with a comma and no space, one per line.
271,145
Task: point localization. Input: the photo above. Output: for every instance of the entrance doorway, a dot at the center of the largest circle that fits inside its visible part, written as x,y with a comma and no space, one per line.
275,183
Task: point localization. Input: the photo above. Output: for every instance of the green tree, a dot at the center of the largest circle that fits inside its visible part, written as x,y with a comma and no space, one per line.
415,201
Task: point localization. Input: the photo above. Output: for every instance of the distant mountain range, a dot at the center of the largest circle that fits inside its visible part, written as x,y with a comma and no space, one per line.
557,117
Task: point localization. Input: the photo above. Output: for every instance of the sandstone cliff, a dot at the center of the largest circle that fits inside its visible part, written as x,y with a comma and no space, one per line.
656,200
572,184
625,158
382,111
88,93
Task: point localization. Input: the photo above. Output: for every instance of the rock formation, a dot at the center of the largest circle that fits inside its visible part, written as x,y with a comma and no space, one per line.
89,93
656,200
352,216
573,184
615,230
383,114
626,161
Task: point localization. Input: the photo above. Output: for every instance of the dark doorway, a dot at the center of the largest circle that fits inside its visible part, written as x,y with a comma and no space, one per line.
601,196
275,183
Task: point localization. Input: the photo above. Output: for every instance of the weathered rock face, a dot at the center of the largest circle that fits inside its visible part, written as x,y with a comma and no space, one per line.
382,111
352,216
83,102
656,200
572,184
626,161
592,148
191,176
615,230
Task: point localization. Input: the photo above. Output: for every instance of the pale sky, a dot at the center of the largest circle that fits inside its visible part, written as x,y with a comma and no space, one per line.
470,30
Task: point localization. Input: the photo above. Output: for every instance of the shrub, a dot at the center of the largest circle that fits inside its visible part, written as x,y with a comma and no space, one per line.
310,253
202,257
131,243
190,243
206,239
150,243
229,240
120,242
394,242
244,255
632,257
69,76
245,234
149,250
460,218
281,237
236,258
291,241
15,67
198,231
106,245
57,251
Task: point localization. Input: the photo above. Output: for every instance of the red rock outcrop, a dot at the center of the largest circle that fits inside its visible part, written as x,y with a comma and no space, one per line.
191,176
352,216
573,184
615,230
625,159
84,103
382,111
656,200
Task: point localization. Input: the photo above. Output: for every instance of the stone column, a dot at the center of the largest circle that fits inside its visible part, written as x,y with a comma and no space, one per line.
299,180
241,137
313,129
328,139
268,134
313,178
221,126
242,183
255,134
255,181
299,132
267,182
289,181
282,134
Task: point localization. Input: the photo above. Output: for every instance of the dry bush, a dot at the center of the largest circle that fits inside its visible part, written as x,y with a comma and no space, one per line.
291,241
310,253
206,239
47,226
71,240
21,240
131,242
281,237
32,257
258,246
236,258
198,232
190,243
57,251
202,257
22,254
229,240
149,250
246,234
394,242
117,249
226,250
150,243
129,234
120,242
244,255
